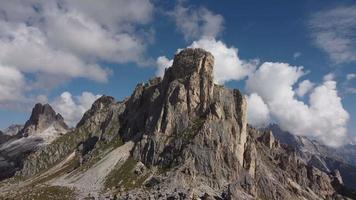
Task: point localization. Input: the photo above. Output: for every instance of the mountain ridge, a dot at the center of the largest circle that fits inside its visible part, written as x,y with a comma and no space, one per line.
180,137
319,155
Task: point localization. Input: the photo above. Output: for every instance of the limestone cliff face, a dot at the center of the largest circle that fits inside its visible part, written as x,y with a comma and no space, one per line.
192,137
195,123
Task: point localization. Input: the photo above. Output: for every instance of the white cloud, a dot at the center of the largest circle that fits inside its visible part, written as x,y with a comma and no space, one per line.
350,76
114,14
195,23
12,84
228,65
52,42
333,32
324,117
83,36
73,108
25,48
274,80
347,85
162,63
297,55
304,87
350,90
329,77
257,112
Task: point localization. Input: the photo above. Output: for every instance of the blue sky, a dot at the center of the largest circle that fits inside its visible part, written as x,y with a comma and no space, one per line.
274,31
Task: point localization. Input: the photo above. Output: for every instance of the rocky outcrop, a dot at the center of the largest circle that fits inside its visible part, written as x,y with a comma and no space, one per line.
42,117
268,139
193,118
191,140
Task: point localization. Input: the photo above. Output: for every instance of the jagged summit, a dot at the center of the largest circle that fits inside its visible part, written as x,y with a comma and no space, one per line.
42,117
100,103
43,126
192,61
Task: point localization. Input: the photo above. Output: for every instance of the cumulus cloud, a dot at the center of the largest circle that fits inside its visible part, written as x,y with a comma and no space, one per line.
25,48
257,112
162,63
348,86
329,77
52,42
12,84
333,32
114,13
304,87
297,55
194,23
323,117
72,107
83,36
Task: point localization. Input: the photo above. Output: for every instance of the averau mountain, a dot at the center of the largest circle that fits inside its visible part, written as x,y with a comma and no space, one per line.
180,137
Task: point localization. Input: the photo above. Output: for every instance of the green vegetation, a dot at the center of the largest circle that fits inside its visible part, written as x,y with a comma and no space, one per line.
54,153
100,151
44,193
191,131
124,176
66,168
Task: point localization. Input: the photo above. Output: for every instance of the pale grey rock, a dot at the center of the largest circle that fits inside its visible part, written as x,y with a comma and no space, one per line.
42,117
337,177
268,139
324,158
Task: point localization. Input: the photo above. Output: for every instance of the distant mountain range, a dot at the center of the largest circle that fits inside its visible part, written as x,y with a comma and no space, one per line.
323,157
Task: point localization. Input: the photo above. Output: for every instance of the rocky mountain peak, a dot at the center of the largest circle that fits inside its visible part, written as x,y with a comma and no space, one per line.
42,117
42,112
191,77
97,106
193,61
